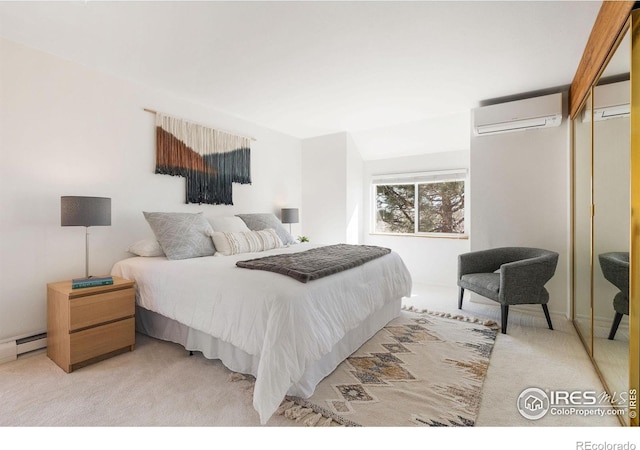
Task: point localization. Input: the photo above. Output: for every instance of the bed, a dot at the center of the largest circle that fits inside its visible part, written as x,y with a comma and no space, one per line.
286,333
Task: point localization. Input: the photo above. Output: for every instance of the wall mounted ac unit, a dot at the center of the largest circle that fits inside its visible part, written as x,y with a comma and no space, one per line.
531,113
611,101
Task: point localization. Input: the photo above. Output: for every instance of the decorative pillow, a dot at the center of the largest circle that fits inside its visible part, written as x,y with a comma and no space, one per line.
232,243
263,221
228,223
146,247
182,235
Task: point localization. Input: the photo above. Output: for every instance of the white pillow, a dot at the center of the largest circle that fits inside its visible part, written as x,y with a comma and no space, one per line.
232,243
146,247
228,223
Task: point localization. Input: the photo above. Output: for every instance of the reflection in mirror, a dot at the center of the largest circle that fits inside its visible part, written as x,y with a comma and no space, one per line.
611,233
582,223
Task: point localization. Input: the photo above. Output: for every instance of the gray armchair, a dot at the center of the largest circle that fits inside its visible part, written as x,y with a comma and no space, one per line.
615,268
509,276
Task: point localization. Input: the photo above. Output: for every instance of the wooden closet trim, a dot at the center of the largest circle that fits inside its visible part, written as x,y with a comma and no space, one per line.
611,19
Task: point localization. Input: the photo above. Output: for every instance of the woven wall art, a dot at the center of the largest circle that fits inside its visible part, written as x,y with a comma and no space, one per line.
210,160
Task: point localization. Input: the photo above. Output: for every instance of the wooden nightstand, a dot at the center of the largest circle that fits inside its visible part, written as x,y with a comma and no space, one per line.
89,324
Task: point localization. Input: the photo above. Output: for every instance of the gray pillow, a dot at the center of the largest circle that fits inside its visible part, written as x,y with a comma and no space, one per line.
257,222
182,235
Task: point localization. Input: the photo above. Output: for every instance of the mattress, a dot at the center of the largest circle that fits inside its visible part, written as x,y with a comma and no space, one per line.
283,327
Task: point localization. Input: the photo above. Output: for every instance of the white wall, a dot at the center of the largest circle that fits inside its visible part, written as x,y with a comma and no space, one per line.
353,205
68,130
520,197
431,261
332,189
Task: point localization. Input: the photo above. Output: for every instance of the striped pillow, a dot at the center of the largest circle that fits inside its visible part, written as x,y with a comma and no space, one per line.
231,243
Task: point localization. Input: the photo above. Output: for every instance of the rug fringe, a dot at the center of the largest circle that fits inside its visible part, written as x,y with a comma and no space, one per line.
310,415
296,409
301,414
312,420
487,323
297,413
284,406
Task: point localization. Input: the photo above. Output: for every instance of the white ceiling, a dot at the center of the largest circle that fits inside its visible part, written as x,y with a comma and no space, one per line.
391,73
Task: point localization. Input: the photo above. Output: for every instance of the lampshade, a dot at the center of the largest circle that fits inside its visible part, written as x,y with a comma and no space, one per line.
289,215
85,211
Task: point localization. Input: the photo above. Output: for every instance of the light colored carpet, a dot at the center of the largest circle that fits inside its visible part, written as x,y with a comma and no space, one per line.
160,385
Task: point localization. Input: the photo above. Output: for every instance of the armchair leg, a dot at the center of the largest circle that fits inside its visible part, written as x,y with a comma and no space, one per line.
460,298
505,315
614,326
546,314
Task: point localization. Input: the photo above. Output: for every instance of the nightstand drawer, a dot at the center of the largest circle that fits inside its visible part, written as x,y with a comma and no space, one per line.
101,308
97,341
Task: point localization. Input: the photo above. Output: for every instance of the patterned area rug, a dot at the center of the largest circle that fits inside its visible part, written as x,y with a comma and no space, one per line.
422,369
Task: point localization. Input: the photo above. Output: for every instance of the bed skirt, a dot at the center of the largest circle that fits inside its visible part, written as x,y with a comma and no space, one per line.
237,360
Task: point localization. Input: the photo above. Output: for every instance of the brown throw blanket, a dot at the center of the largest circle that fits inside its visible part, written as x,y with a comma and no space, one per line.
317,262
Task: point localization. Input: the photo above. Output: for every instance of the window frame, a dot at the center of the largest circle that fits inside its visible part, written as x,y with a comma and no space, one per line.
418,178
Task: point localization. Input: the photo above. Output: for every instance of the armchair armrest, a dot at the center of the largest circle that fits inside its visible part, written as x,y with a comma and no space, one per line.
523,281
481,261
615,268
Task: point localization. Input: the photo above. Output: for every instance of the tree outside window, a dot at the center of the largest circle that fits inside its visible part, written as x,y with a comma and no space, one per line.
438,207
396,208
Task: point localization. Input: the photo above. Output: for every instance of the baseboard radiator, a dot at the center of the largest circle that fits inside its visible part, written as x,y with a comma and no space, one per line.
12,350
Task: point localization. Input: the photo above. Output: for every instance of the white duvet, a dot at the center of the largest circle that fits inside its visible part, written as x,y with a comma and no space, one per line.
287,324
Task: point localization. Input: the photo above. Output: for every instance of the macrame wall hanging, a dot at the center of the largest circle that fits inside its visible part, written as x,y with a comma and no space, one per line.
210,160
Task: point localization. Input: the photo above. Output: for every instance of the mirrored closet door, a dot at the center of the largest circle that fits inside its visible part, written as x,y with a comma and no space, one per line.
601,222
582,264
611,220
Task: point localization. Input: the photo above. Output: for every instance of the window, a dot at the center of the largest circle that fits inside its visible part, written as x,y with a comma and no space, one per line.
431,203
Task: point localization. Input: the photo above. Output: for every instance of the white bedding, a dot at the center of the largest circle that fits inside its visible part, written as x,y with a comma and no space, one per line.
287,324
